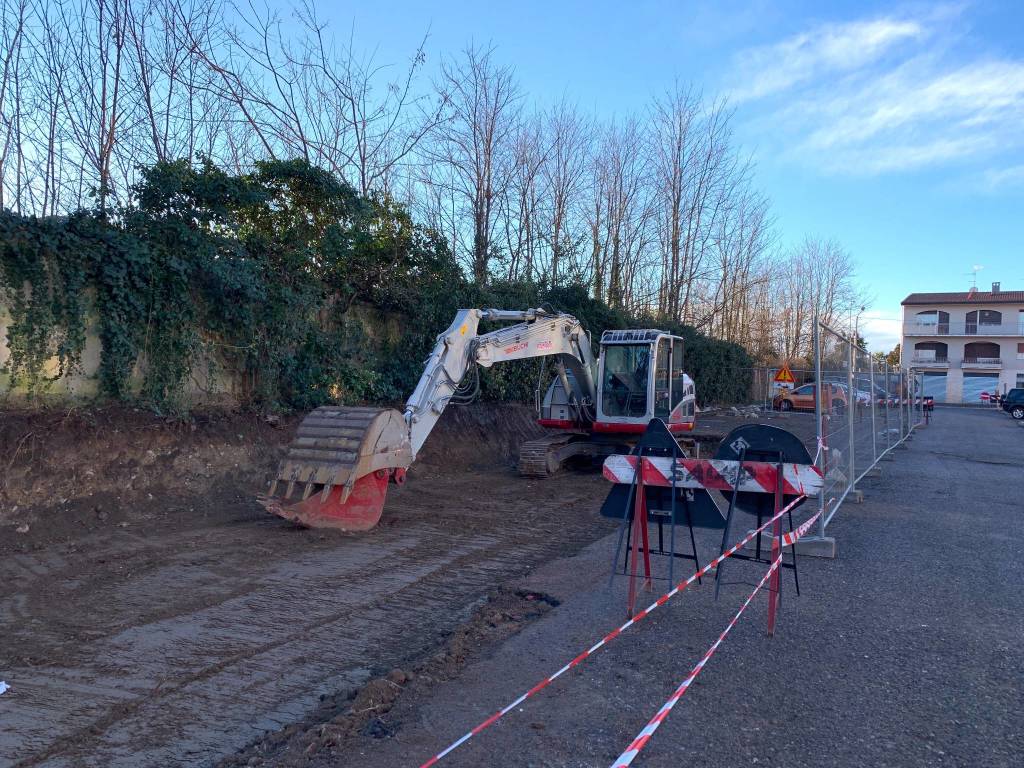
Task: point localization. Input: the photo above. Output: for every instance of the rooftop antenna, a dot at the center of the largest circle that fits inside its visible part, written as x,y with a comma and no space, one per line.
973,274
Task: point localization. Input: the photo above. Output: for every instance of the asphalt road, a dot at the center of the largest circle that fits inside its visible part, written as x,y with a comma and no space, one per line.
904,651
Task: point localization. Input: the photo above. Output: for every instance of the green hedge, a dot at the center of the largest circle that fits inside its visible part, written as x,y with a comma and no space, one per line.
269,274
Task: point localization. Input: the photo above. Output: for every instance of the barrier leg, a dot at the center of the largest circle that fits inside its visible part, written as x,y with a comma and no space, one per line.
728,522
672,532
693,541
796,578
625,527
648,582
774,583
639,541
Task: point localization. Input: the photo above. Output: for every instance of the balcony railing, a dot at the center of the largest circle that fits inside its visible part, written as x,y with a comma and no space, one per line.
981,362
963,329
939,361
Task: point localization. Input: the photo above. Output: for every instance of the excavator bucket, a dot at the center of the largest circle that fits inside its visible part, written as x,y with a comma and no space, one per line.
336,471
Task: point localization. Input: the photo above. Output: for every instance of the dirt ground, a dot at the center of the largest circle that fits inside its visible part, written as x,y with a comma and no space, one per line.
154,614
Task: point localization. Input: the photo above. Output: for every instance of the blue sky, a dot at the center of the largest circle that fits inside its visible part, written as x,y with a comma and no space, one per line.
897,129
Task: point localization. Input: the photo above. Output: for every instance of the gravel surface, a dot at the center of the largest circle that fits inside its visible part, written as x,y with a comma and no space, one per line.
904,651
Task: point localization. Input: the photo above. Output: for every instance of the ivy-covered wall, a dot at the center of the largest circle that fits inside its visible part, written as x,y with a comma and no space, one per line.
284,288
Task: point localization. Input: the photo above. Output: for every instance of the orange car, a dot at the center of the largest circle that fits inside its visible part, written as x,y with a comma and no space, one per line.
802,398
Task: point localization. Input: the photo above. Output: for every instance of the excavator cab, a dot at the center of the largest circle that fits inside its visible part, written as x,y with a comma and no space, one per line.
641,377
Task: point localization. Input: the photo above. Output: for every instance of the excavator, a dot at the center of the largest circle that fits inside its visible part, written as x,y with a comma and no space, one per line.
337,470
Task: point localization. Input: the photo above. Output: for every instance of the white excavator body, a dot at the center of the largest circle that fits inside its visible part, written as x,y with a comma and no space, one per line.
344,457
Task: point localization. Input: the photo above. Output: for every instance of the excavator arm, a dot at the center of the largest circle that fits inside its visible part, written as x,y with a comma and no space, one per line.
537,334
343,457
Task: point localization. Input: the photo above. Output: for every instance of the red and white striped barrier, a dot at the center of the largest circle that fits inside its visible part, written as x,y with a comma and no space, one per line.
627,757
716,474
616,632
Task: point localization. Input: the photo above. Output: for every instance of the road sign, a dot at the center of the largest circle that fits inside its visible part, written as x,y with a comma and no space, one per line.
784,377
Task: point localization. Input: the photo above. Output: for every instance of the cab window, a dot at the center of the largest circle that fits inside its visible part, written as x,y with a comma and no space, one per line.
678,382
624,383
662,392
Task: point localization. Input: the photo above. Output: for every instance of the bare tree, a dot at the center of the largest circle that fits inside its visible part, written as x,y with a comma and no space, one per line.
817,279
303,95
14,16
657,215
384,122
178,116
620,216
673,144
523,202
476,141
694,170
743,271
568,136
95,100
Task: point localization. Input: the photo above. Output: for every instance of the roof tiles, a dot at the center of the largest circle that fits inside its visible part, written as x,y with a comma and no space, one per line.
975,297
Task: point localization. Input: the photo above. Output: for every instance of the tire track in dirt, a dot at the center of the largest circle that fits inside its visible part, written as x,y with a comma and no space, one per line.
245,639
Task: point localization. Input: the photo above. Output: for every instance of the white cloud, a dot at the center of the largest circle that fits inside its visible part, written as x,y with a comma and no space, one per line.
881,332
887,95
867,160
973,96
998,179
828,49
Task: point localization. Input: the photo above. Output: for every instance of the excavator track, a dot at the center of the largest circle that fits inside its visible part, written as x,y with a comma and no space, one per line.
544,456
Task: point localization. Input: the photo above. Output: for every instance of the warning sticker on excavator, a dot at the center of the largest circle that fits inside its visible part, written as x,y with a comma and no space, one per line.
784,376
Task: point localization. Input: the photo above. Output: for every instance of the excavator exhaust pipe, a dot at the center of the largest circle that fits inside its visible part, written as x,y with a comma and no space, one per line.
337,470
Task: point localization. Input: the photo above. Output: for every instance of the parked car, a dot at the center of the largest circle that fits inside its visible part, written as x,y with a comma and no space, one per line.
863,396
1013,402
802,398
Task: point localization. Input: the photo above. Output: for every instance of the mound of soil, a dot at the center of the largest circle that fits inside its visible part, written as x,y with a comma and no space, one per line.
74,469
477,435
67,472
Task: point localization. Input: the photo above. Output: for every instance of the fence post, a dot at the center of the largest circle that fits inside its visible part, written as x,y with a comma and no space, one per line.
873,402
851,406
909,402
822,459
888,434
903,403
900,399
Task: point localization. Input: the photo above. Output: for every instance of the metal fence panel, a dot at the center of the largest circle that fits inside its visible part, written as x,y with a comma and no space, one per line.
866,408
863,408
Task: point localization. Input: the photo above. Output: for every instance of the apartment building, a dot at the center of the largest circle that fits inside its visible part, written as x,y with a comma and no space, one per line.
965,344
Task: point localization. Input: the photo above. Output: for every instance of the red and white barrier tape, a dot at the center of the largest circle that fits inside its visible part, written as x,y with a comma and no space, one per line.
821,447
791,538
627,757
614,633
